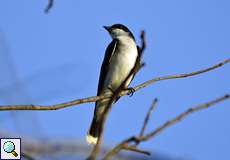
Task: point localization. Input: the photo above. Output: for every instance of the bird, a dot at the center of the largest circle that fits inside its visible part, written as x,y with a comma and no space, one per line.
119,59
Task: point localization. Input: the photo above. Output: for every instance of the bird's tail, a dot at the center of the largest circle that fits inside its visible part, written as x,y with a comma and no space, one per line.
94,132
96,125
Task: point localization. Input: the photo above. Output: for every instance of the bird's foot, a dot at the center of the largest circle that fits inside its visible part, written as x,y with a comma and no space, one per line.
131,91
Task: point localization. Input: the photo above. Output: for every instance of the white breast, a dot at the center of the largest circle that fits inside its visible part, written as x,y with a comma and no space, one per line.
122,63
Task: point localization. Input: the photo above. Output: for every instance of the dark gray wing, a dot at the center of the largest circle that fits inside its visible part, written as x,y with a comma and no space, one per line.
110,50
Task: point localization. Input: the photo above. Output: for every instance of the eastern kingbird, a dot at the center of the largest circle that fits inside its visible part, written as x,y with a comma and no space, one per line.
120,58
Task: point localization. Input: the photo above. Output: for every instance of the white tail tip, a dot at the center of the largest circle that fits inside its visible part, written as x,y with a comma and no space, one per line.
91,140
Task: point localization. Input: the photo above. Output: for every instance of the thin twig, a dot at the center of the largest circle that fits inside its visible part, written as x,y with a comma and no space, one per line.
135,149
125,144
138,139
153,106
182,116
143,43
183,75
96,98
49,6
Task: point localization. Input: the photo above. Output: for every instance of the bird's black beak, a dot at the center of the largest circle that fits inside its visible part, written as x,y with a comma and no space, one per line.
107,28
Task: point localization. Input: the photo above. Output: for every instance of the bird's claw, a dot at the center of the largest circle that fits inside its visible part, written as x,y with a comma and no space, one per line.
131,91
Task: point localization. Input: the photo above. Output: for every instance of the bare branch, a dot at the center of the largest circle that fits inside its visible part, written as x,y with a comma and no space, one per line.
49,6
153,106
143,43
96,98
125,144
54,107
135,149
120,147
183,75
137,139
183,115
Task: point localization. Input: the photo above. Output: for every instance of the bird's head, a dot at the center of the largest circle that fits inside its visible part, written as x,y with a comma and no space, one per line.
117,30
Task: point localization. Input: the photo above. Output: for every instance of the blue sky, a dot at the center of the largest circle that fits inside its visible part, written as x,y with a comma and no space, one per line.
47,59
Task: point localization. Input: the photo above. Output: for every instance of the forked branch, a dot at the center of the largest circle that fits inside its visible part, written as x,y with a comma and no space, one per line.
132,142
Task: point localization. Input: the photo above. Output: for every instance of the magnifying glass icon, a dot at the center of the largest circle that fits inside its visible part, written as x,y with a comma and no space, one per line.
9,147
